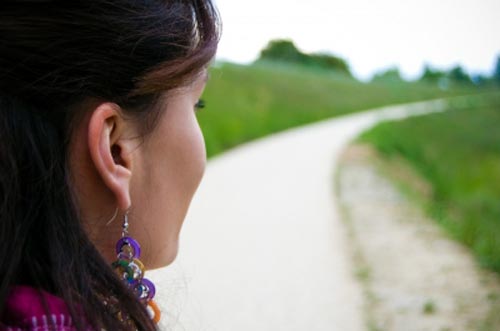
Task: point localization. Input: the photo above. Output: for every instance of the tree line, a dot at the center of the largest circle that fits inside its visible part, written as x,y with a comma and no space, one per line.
284,50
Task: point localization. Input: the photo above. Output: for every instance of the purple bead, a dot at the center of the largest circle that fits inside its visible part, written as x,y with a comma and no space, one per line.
151,288
129,241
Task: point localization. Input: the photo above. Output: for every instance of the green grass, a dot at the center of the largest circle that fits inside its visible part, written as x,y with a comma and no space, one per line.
458,153
429,307
248,102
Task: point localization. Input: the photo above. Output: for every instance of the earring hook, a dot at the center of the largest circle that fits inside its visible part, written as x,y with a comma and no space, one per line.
112,218
125,225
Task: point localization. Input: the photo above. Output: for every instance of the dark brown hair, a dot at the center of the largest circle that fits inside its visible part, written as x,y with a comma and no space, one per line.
54,56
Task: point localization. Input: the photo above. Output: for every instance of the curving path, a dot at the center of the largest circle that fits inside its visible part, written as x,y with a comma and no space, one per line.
263,246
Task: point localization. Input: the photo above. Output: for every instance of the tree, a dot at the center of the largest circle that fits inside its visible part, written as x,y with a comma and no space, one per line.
285,50
480,79
432,75
332,62
496,71
458,75
391,75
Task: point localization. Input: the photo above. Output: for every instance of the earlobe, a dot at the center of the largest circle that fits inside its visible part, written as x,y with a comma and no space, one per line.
110,151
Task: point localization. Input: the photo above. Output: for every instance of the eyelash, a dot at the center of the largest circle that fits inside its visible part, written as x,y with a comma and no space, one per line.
199,105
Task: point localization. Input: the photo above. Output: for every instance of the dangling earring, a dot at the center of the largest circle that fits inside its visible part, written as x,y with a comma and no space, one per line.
131,270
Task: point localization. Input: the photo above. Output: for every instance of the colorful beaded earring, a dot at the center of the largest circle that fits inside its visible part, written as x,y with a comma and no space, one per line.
131,270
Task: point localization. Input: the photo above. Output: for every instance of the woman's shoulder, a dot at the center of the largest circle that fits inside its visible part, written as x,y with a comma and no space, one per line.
31,309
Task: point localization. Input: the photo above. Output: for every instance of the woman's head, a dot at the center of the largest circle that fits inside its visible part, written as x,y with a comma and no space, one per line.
116,169
96,115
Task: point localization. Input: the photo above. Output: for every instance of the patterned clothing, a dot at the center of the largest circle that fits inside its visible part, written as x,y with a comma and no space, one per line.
25,311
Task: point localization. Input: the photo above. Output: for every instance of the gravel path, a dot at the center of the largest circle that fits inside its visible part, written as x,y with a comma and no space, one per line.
415,278
263,246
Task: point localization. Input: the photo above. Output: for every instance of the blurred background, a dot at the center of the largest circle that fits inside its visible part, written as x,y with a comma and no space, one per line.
285,64
318,59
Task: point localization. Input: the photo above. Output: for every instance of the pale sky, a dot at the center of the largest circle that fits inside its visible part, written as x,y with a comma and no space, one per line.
370,35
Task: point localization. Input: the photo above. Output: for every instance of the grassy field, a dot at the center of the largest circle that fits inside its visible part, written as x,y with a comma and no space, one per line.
458,153
248,102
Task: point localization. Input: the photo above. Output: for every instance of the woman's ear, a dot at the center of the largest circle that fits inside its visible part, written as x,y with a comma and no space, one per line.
110,151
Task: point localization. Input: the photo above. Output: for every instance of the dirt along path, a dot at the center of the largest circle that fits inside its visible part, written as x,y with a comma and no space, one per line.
263,246
414,277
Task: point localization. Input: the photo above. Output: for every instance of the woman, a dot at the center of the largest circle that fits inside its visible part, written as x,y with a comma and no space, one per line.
99,150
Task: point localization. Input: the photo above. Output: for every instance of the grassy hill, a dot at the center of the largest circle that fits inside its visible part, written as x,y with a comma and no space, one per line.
248,102
458,154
